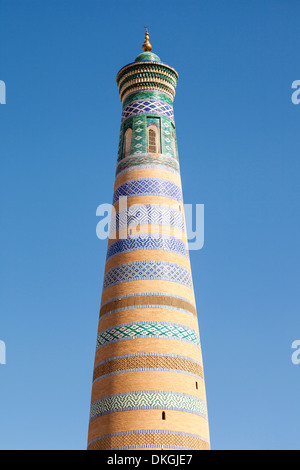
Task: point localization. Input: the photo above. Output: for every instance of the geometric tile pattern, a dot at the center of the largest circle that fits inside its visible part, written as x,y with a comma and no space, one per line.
149,214
148,361
148,186
139,140
149,438
147,106
144,329
147,242
168,137
148,94
147,270
142,400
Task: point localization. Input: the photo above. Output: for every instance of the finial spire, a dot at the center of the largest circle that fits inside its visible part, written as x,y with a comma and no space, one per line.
147,46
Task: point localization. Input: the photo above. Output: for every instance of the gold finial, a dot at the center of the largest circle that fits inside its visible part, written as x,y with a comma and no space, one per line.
147,46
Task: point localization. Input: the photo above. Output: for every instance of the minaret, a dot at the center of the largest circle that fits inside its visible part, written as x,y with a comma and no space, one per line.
148,385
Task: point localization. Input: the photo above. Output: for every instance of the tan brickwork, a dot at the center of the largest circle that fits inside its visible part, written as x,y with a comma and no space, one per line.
148,380
178,421
148,286
148,314
153,440
140,345
154,255
147,300
148,173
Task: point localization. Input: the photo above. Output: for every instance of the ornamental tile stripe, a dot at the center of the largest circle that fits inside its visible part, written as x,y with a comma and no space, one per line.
142,400
146,66
147,242
161,96
148,214
162,86
134,78
148,186
147,270
144,329
147,106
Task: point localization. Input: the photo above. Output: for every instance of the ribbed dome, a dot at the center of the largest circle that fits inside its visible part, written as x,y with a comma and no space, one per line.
147,56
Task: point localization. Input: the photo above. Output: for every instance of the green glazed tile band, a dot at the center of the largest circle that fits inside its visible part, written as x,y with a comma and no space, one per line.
146,329
143,400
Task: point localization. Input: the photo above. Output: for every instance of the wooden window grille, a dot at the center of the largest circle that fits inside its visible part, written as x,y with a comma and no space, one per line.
152,141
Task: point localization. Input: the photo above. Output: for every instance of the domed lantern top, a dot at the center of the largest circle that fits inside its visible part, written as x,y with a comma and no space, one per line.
147,73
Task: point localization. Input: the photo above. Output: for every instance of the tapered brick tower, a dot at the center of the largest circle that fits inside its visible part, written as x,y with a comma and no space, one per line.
148,386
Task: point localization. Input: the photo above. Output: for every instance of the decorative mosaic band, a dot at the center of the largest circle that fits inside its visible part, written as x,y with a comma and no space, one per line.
146,362
148,161
146,69
138,300
145,329
152,79
147,270
147,76
155,85
147,242
147,106
143,400
148,187
146,95
148,214
149,438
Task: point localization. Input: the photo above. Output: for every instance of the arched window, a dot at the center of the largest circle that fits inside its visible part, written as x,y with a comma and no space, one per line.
153,139
127,142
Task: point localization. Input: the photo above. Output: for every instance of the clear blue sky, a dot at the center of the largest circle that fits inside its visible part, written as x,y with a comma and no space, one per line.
238,137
